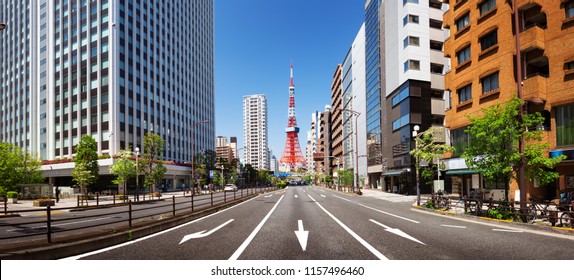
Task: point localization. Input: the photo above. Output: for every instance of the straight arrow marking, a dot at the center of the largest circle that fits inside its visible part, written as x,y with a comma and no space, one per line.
302,235
396,231
202,233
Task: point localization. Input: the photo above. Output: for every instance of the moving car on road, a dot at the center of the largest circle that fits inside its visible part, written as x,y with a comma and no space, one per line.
230,188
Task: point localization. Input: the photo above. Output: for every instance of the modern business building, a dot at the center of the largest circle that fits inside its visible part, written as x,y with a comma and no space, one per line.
311,147
337,119
324,143
255,140
225,150
354,109
373,76
482,50
111,69
412,84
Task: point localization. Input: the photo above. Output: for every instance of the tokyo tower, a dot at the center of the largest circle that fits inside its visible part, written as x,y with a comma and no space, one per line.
292,158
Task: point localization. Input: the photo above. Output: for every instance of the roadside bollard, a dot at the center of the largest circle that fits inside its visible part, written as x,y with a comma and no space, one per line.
173,203
211,198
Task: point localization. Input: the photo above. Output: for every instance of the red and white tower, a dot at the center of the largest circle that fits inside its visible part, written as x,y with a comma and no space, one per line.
292,158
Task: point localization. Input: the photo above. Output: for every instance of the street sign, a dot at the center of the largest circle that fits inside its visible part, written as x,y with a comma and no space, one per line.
211,174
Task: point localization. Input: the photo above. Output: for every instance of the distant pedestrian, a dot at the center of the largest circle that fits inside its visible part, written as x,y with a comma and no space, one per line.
57,194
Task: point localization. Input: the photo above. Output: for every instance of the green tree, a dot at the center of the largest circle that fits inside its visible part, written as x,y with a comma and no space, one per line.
87,153
153,168
17,167
83,177
493,146
427,149
346,177
124,168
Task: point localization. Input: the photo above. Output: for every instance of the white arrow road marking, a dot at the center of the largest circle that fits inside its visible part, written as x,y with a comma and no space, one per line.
323,195
268,196
203,233
506,230
397,232
451,226
369,247
302,235
296,196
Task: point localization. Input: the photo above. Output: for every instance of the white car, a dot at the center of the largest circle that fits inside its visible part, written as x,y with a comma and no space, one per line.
230,188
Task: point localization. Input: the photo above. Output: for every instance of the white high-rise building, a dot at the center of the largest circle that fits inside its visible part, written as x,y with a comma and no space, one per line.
255,140
111,69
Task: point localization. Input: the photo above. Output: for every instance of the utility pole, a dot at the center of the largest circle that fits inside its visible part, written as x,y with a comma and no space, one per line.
521,178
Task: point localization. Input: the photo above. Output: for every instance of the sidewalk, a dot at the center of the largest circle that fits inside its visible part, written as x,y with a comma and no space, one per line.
392,197
73,202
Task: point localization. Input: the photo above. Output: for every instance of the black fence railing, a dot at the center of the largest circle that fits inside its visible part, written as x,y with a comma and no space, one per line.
536,212
28,224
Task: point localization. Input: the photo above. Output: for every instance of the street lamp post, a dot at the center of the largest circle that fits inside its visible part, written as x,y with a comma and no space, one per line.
137,150
222,178
356,181
416,129
193,155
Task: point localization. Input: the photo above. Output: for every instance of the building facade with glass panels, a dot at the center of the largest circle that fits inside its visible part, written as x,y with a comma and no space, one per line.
114,70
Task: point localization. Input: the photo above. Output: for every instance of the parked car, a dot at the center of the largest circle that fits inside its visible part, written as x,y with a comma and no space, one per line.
230,188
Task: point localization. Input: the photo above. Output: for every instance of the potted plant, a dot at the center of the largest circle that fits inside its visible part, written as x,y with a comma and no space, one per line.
12,197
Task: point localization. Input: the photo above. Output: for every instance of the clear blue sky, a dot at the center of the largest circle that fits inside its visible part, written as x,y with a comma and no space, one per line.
255,40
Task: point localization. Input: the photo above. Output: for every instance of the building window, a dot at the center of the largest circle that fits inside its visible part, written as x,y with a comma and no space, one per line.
565,125
569,65
411,41
463,55
410,1
436,68
460,141
402,95
489,83
404,120
487,6
436,45
412,65
489,40
463,22
410,19
464,94
433,23
569,8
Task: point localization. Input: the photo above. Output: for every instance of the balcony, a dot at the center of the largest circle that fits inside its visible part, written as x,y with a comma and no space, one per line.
534,87
532,38
437,107
437,81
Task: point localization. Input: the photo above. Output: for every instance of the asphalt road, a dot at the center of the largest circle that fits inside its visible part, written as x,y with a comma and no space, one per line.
314,223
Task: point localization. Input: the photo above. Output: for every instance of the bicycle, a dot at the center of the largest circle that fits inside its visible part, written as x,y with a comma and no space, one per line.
537,210
441,200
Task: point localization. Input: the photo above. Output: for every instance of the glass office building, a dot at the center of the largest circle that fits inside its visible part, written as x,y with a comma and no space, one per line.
111,69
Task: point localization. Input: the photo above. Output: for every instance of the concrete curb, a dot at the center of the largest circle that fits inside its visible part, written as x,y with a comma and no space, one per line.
67,248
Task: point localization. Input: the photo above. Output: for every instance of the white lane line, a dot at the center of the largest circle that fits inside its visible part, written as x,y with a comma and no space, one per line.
390,214
323,195
507,230
352,233
343,198
451,226
77,257
380,211
241,248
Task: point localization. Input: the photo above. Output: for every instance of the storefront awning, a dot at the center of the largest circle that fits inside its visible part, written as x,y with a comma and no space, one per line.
461,172
394,172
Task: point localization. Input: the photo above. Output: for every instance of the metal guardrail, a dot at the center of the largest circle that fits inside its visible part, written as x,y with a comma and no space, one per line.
130,214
